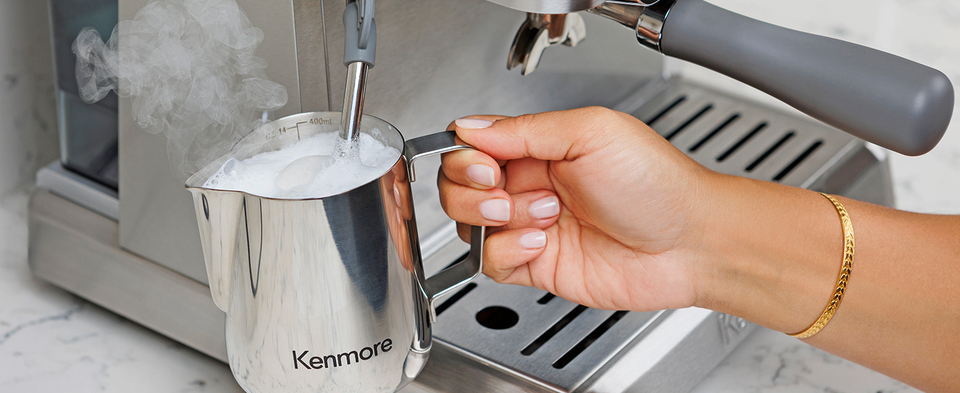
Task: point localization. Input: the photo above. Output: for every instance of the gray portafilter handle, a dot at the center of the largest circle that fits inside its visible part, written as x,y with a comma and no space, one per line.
888,100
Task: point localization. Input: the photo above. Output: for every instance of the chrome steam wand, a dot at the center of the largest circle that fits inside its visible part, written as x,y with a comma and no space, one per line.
359,54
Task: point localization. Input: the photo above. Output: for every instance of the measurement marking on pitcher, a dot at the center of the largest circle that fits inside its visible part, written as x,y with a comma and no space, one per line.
295,126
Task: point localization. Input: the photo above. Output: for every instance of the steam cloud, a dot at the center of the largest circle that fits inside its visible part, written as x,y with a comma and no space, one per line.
190,68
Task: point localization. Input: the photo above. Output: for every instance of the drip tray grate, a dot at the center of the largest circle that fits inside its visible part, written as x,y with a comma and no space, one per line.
732,136
535,333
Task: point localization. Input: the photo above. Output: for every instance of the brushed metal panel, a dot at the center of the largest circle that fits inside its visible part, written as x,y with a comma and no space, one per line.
311,62
156,214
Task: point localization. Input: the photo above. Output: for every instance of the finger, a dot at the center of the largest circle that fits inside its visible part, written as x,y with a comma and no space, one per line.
463,230
471,168
506,253
474,122
562,135
531,210
527,174
492,207
535,209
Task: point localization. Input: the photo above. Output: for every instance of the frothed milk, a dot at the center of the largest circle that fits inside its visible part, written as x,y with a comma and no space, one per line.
309,168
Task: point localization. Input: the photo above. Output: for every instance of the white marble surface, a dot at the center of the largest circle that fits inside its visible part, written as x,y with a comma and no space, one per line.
51,341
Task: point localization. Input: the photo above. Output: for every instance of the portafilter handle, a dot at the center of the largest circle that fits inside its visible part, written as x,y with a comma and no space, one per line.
885,99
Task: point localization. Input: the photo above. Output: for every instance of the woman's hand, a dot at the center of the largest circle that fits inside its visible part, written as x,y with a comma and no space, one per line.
593,206
589,204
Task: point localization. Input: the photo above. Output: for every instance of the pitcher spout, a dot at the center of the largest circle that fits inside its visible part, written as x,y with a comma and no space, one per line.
218,217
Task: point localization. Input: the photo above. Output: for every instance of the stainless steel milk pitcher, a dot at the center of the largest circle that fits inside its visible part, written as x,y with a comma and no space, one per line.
324,294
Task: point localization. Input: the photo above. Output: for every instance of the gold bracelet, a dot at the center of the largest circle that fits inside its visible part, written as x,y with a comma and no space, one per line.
848,248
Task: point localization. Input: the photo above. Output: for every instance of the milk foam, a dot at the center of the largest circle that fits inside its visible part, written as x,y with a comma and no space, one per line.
308,168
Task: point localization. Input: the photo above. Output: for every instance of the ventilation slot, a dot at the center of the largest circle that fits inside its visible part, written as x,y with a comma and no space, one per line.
689,121
763,157
715,132
588,340
666,110
556,328
455,298
546,298
741,142
796,162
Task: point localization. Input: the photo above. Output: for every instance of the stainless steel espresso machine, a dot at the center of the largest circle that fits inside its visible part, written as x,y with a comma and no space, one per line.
119,229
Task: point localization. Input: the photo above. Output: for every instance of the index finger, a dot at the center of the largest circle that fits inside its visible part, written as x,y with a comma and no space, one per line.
554,136
472,168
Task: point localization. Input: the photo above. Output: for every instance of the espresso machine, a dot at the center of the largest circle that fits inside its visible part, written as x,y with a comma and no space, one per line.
120,230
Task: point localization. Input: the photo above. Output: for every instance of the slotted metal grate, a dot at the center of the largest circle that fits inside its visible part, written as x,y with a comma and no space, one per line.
560,345
736,137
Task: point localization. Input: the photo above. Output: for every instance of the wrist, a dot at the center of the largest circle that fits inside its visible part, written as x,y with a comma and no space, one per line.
770,253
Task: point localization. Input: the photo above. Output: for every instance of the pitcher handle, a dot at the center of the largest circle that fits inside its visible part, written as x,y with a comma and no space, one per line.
462,272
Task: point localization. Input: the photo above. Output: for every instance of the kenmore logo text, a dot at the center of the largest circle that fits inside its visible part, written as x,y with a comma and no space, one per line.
339,360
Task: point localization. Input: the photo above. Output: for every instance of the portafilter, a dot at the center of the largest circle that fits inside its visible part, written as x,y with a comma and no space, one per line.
879,97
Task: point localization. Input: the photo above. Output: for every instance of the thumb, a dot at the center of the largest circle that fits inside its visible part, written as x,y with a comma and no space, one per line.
561,135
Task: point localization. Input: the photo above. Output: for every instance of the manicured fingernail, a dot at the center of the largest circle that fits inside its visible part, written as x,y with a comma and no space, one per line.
545,208
473,124
533,240
481,174
496,210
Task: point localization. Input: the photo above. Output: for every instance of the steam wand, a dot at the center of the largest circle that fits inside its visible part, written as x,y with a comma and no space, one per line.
359,54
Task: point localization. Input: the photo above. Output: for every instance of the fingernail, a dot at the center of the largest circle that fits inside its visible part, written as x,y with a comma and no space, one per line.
481,174
473,124
545,208
533,240
496,210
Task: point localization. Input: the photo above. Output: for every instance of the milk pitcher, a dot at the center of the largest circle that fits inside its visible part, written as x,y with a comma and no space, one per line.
325,294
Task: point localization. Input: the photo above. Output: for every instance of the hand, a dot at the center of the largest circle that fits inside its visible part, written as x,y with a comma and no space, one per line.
637,225
589,204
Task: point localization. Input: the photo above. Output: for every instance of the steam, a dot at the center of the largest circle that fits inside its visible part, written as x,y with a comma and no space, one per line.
190,68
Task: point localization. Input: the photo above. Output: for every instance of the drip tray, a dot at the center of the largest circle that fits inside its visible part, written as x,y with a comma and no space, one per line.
525,339
535,334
